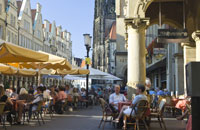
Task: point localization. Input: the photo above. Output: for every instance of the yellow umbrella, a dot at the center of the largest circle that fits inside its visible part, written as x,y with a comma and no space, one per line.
19,70
27,72
4,69
77,71
54,62
10,53
47,72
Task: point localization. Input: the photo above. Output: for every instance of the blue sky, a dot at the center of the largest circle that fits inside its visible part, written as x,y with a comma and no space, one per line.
76,16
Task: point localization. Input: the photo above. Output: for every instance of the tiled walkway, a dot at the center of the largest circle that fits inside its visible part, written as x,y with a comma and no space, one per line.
86,119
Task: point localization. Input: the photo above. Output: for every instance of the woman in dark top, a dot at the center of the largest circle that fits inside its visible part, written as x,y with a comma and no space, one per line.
9,105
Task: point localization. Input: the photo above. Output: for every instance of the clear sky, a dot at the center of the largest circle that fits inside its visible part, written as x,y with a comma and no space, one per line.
76,16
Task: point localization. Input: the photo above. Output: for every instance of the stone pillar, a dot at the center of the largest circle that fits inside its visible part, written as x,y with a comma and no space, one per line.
170,68
136,52
196,37
179,70
189,54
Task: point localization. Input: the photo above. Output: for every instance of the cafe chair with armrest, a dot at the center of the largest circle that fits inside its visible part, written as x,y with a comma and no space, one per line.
106,111
170,106
159,113
140,113
38,112
3,114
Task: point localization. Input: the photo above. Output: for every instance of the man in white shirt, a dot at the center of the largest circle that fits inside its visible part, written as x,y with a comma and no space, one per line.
128,109
115,98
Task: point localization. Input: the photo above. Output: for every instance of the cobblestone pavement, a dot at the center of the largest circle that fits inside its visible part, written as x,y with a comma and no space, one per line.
86,119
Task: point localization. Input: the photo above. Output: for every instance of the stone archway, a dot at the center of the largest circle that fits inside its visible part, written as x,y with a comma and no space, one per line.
139,14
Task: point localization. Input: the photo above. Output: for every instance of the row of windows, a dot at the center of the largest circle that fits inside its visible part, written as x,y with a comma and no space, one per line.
12,20
61,46
27,43
27,26
11,37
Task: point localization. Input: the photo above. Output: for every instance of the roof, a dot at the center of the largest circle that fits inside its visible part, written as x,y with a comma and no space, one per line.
112,35
33,13
19,4
50,27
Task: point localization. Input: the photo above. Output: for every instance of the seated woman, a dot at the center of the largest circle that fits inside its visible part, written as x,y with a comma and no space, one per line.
9,104
127,109
60,100
23,98
53,95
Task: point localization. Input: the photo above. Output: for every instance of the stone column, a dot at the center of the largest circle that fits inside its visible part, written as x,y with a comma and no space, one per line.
136,52
179,69
189,54
196,37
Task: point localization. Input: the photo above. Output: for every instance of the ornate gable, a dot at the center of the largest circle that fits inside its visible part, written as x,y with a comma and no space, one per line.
25,9
37,22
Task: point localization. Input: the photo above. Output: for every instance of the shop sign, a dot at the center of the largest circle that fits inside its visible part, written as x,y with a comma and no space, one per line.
172,35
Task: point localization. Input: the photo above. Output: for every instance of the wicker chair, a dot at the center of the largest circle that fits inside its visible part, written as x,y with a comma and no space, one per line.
142,107
2,114
159,113
107,113
170,106
38,112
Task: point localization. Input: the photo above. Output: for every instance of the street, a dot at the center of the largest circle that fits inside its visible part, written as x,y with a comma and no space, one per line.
86,119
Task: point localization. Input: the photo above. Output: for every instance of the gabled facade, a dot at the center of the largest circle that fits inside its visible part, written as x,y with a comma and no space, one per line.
2,19
38,35
25,23
46,33
64,44
52,38
11,22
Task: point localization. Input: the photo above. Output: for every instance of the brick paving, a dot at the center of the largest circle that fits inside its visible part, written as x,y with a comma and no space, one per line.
86,119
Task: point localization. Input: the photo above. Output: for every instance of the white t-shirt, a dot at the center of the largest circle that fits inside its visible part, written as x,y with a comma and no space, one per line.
114,98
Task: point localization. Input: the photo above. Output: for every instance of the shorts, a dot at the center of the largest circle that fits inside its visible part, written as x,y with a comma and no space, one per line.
128,111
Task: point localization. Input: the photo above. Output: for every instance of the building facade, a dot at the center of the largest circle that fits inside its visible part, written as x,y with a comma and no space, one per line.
24,26
103,19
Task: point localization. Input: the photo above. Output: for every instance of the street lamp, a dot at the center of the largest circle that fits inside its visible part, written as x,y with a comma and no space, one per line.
87,40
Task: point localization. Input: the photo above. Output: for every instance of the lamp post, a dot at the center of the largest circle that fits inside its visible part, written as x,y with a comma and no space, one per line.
87,40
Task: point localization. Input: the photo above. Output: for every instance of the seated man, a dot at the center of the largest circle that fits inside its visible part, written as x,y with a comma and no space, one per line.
34,103
127,109
115,98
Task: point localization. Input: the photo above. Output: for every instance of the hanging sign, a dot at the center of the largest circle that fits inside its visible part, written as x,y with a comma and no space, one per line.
172,35
87,61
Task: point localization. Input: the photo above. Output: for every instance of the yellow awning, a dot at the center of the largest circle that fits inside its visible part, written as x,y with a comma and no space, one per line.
54,62
27,72
10,53
73,71
4,69
47,72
